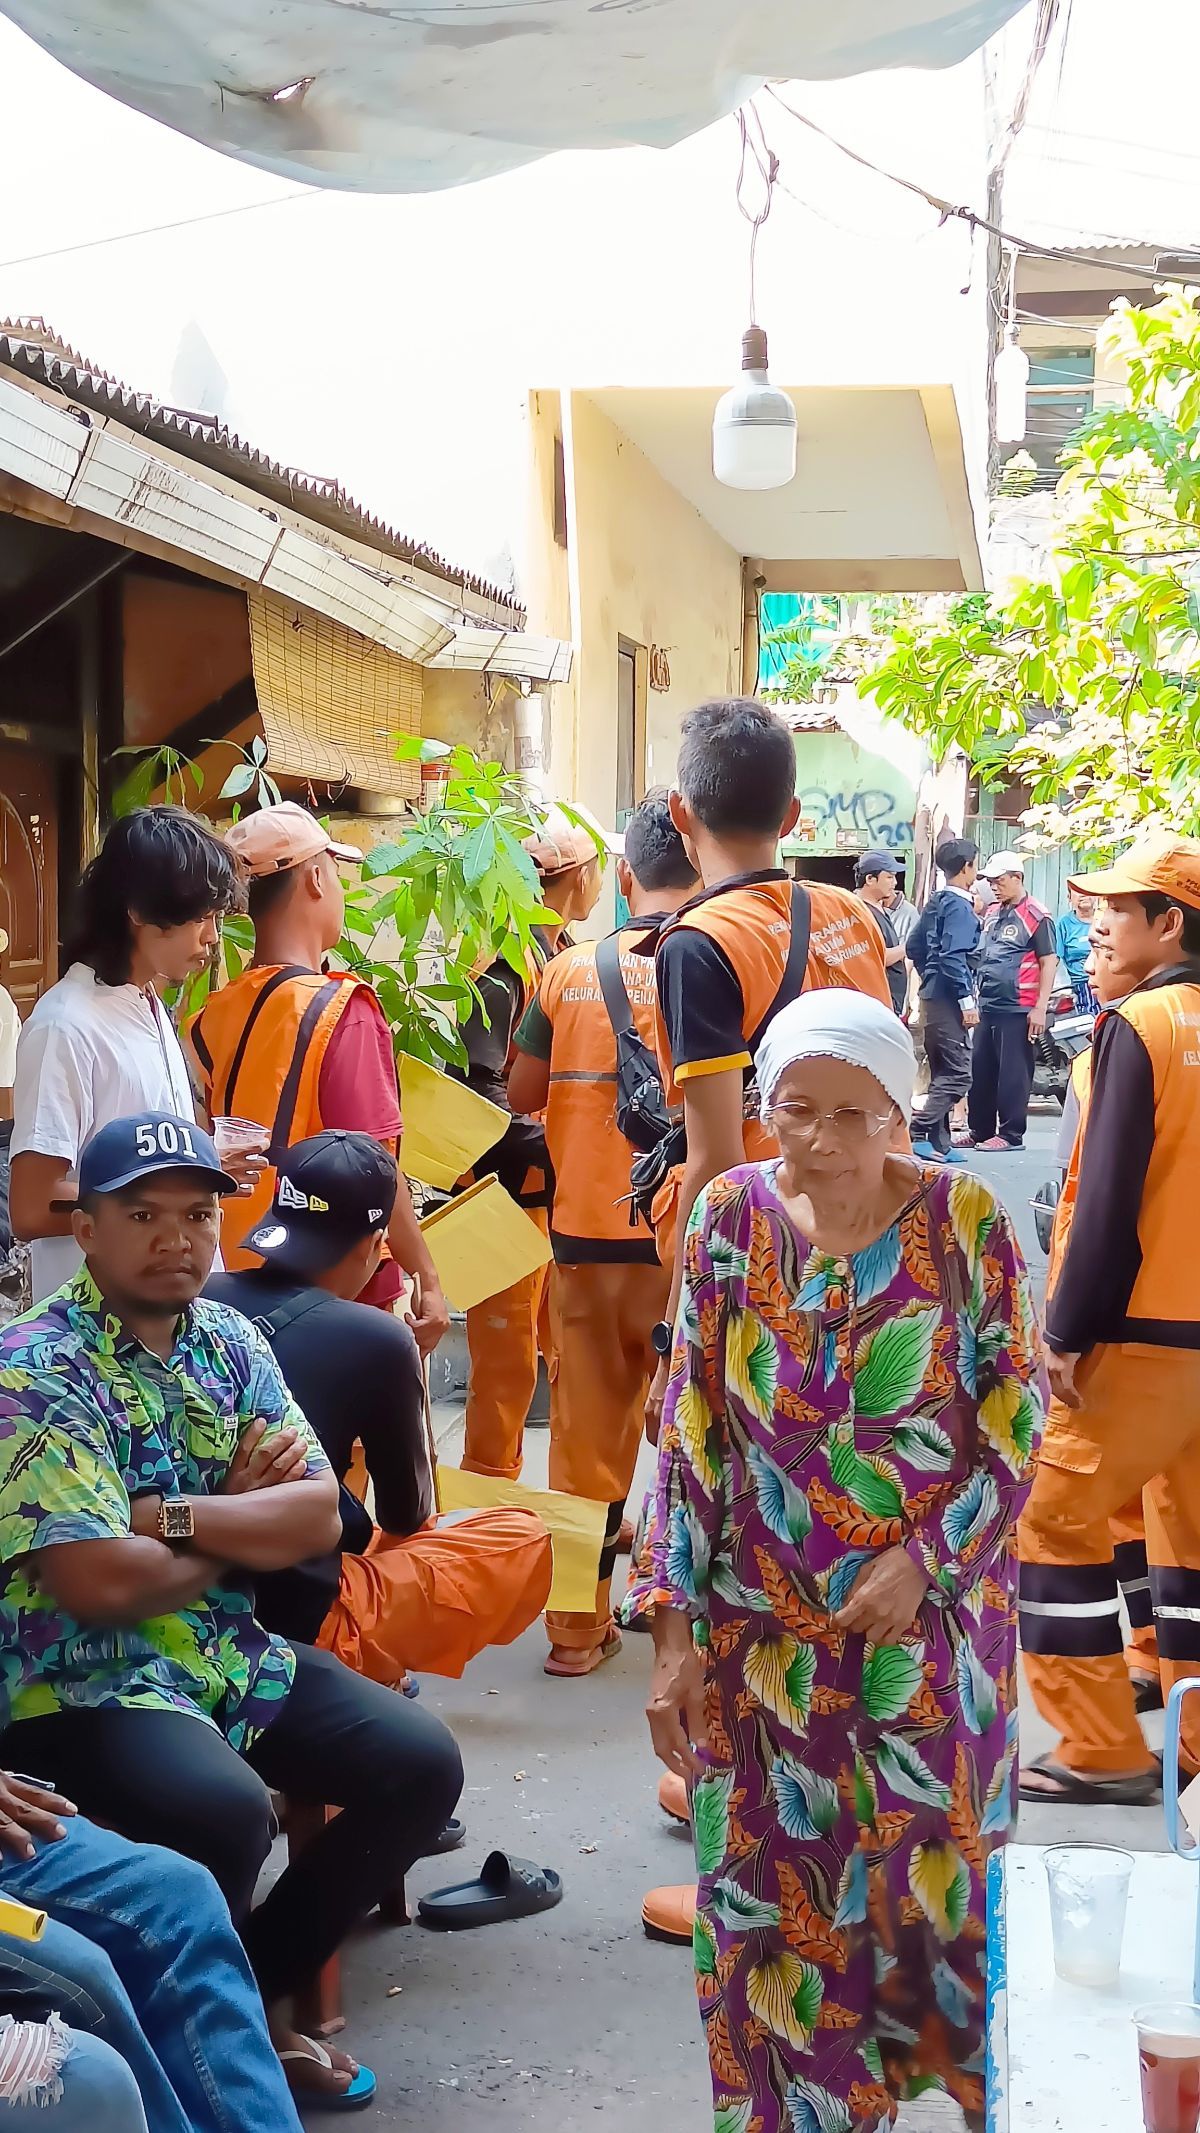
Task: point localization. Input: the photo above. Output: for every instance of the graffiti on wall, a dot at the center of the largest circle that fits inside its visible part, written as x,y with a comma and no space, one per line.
872,815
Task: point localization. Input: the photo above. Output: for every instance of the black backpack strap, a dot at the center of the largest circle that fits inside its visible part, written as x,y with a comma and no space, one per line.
272,1323
612,984
791,984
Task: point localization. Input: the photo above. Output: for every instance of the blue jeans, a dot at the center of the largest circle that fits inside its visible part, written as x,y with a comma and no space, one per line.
98,2094
146,1938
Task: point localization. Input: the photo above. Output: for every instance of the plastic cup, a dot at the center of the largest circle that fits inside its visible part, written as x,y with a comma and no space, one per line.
1169,2056
240,1136
1089,1890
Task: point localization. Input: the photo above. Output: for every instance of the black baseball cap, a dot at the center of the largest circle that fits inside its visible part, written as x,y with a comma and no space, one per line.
330,1193
145,1145
877,863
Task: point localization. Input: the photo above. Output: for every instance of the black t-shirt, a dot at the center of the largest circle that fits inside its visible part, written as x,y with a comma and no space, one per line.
355,1373
897,973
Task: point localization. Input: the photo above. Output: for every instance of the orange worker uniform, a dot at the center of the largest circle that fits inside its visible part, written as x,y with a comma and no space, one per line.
607,1285
1128,1525
722,972
299,1052
506,1332
1125,1298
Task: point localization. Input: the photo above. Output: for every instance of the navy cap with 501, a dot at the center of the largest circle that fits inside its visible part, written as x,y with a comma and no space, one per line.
131,1149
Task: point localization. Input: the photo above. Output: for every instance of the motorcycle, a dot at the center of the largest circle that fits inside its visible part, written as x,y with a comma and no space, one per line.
1068,1032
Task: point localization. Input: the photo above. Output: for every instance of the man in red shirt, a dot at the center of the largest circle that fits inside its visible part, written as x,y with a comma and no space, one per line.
300,1049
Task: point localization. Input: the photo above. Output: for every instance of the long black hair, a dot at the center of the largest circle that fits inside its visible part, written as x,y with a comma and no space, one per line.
163,866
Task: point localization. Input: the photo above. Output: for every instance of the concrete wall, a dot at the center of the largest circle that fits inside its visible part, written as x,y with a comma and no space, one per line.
849,792
642,566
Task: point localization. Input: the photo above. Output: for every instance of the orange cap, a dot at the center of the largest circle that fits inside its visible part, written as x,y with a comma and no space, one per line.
277,838
1159,864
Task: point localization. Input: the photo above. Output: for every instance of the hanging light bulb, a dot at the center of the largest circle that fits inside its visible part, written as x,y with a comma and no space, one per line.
1012,391
754,427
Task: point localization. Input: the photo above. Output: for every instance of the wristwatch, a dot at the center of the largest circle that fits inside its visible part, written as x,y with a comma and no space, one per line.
176,1520
662,1337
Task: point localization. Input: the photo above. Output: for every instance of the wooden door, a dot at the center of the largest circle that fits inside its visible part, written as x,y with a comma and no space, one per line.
28,873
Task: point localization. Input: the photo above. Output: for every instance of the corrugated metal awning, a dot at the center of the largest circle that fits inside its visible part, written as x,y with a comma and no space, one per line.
332,703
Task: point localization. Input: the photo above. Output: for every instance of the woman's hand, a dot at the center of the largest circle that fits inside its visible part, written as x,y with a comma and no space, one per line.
655,1398
884,1599
675,1710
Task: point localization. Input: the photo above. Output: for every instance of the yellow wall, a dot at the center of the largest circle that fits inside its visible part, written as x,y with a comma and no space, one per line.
641,564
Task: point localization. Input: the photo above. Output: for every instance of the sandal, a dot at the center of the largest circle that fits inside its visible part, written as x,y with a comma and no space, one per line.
505,1888
570,1664
360,2093
1147,1692
1072,1788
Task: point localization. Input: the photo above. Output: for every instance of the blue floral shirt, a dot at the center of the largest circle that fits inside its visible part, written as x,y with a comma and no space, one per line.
89,1419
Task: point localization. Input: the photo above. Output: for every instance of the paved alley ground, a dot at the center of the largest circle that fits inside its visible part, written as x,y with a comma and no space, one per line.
545,2024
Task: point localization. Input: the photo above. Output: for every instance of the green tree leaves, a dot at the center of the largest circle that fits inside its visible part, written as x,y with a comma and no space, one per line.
1086,681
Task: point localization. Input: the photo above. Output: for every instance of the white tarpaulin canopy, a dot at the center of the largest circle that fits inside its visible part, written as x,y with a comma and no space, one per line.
392,96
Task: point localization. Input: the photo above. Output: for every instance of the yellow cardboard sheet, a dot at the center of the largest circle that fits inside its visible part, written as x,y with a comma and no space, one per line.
481,1243
446,1127
575,1525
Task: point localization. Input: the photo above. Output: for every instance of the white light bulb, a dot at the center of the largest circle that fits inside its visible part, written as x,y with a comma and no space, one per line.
1012,388
754,427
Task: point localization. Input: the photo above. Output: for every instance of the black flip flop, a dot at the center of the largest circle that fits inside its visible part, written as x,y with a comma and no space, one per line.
1147,1693
1072,1789
506,1888
448,1839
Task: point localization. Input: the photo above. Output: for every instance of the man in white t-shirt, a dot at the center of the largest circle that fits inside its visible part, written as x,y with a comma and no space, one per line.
100,1045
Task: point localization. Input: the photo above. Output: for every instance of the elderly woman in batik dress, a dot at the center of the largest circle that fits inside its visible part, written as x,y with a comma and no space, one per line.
854,1404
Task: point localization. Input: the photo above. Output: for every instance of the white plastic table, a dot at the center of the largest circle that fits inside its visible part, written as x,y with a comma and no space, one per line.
1062,2059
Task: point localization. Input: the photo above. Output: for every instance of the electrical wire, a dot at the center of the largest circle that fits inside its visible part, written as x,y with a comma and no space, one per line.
948,211
759,152
154,229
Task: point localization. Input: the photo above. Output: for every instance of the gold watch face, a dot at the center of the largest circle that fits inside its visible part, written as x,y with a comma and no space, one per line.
176,1521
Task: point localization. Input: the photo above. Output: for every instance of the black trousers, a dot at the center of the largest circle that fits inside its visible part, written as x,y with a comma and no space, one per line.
163,1777
948,1050
1001,1078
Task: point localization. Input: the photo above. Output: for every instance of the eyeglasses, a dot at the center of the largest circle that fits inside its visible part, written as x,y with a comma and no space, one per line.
848,1125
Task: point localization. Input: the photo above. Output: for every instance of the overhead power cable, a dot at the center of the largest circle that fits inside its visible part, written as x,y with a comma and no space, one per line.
949,211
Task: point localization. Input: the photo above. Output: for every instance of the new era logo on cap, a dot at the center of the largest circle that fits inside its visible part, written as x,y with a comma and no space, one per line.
307,1203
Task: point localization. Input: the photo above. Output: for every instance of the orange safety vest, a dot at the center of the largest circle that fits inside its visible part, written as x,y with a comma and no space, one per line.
1167,1019
589,1153
259,1045
752,925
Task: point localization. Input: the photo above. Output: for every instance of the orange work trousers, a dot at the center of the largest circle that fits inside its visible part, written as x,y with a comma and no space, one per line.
1138,1429
504,1334
431,1602
1128,1530
601,1315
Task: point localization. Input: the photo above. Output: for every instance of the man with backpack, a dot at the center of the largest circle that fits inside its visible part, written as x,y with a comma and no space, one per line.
585,1055
941,949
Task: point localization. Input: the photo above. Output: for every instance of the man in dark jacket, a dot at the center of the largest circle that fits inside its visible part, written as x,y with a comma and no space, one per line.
1017,966
941,948
875,880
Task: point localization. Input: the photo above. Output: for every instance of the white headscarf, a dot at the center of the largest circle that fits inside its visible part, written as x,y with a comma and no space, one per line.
839,1024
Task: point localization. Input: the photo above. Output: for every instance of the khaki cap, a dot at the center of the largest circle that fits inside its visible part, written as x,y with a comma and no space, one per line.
1159,864
278,838
563,843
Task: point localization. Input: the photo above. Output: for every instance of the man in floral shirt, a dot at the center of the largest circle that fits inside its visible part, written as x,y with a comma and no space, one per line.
152,1461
